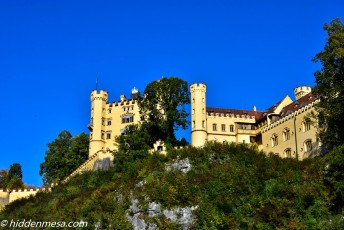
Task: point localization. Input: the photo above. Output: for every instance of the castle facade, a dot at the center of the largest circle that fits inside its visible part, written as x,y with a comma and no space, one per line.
283,129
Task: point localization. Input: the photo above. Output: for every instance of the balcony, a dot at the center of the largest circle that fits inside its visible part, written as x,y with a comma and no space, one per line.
246,129
90,125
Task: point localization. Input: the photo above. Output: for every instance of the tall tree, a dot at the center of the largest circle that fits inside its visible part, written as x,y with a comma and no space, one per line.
12,178
3,178
64,155
330,86
15,171
162,106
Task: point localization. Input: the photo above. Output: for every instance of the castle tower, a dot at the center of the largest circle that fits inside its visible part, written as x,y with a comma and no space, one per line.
198,114
97,122
301,91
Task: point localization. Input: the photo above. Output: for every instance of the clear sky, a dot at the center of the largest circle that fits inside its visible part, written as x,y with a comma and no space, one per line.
247,52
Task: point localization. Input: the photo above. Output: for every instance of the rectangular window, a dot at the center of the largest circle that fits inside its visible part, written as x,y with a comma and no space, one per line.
203,124
231,128
223,128
307,126
214,127
127,119
103,133
108,135
109,122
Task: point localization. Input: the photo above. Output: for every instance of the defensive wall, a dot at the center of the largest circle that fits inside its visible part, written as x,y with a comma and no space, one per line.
9,195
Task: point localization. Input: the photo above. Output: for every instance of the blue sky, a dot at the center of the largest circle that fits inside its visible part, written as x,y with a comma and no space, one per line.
247,52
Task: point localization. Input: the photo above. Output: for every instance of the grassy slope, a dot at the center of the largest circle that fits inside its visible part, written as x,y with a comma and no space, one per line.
234,187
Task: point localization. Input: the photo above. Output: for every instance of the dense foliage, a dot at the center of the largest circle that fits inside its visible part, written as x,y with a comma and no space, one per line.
232,186
162,106
330,86
65,154
13,178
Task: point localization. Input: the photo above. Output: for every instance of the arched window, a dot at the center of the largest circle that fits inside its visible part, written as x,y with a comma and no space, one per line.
287,152
306,125
308,145
286,134
274,140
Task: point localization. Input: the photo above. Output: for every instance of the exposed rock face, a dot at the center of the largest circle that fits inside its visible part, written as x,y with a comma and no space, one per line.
181,165
180,216
103,164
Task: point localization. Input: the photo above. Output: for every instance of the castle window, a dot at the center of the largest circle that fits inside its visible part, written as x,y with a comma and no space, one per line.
274,140
203,124
193,100
287,153
109,110
286,134
203,110
231,128
214,127
103,133
223,128
109,122
103,121
193,124
108,135
306,125
308,145
128,118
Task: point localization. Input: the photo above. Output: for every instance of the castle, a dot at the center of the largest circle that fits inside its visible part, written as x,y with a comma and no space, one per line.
283,129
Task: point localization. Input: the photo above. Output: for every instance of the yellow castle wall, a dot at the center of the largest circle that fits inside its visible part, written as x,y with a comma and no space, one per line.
107,122
293,122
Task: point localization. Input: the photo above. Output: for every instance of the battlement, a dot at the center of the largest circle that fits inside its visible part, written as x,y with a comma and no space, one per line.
101,95
198,87
300,91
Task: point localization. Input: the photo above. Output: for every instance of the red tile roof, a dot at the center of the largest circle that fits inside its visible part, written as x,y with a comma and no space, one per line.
257,114
296,105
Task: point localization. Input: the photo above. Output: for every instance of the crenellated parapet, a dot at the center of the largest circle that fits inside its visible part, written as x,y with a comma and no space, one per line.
9,195
290,114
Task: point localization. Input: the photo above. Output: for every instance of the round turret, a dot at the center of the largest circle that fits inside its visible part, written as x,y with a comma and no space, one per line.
97,122
301,91
199,133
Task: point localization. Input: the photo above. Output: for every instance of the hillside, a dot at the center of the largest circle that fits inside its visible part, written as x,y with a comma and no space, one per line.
221,186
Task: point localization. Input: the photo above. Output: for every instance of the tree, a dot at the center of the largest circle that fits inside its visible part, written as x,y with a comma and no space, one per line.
13,178
65,154
134,138
330,86
162,106
3,178
15,171
334,176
